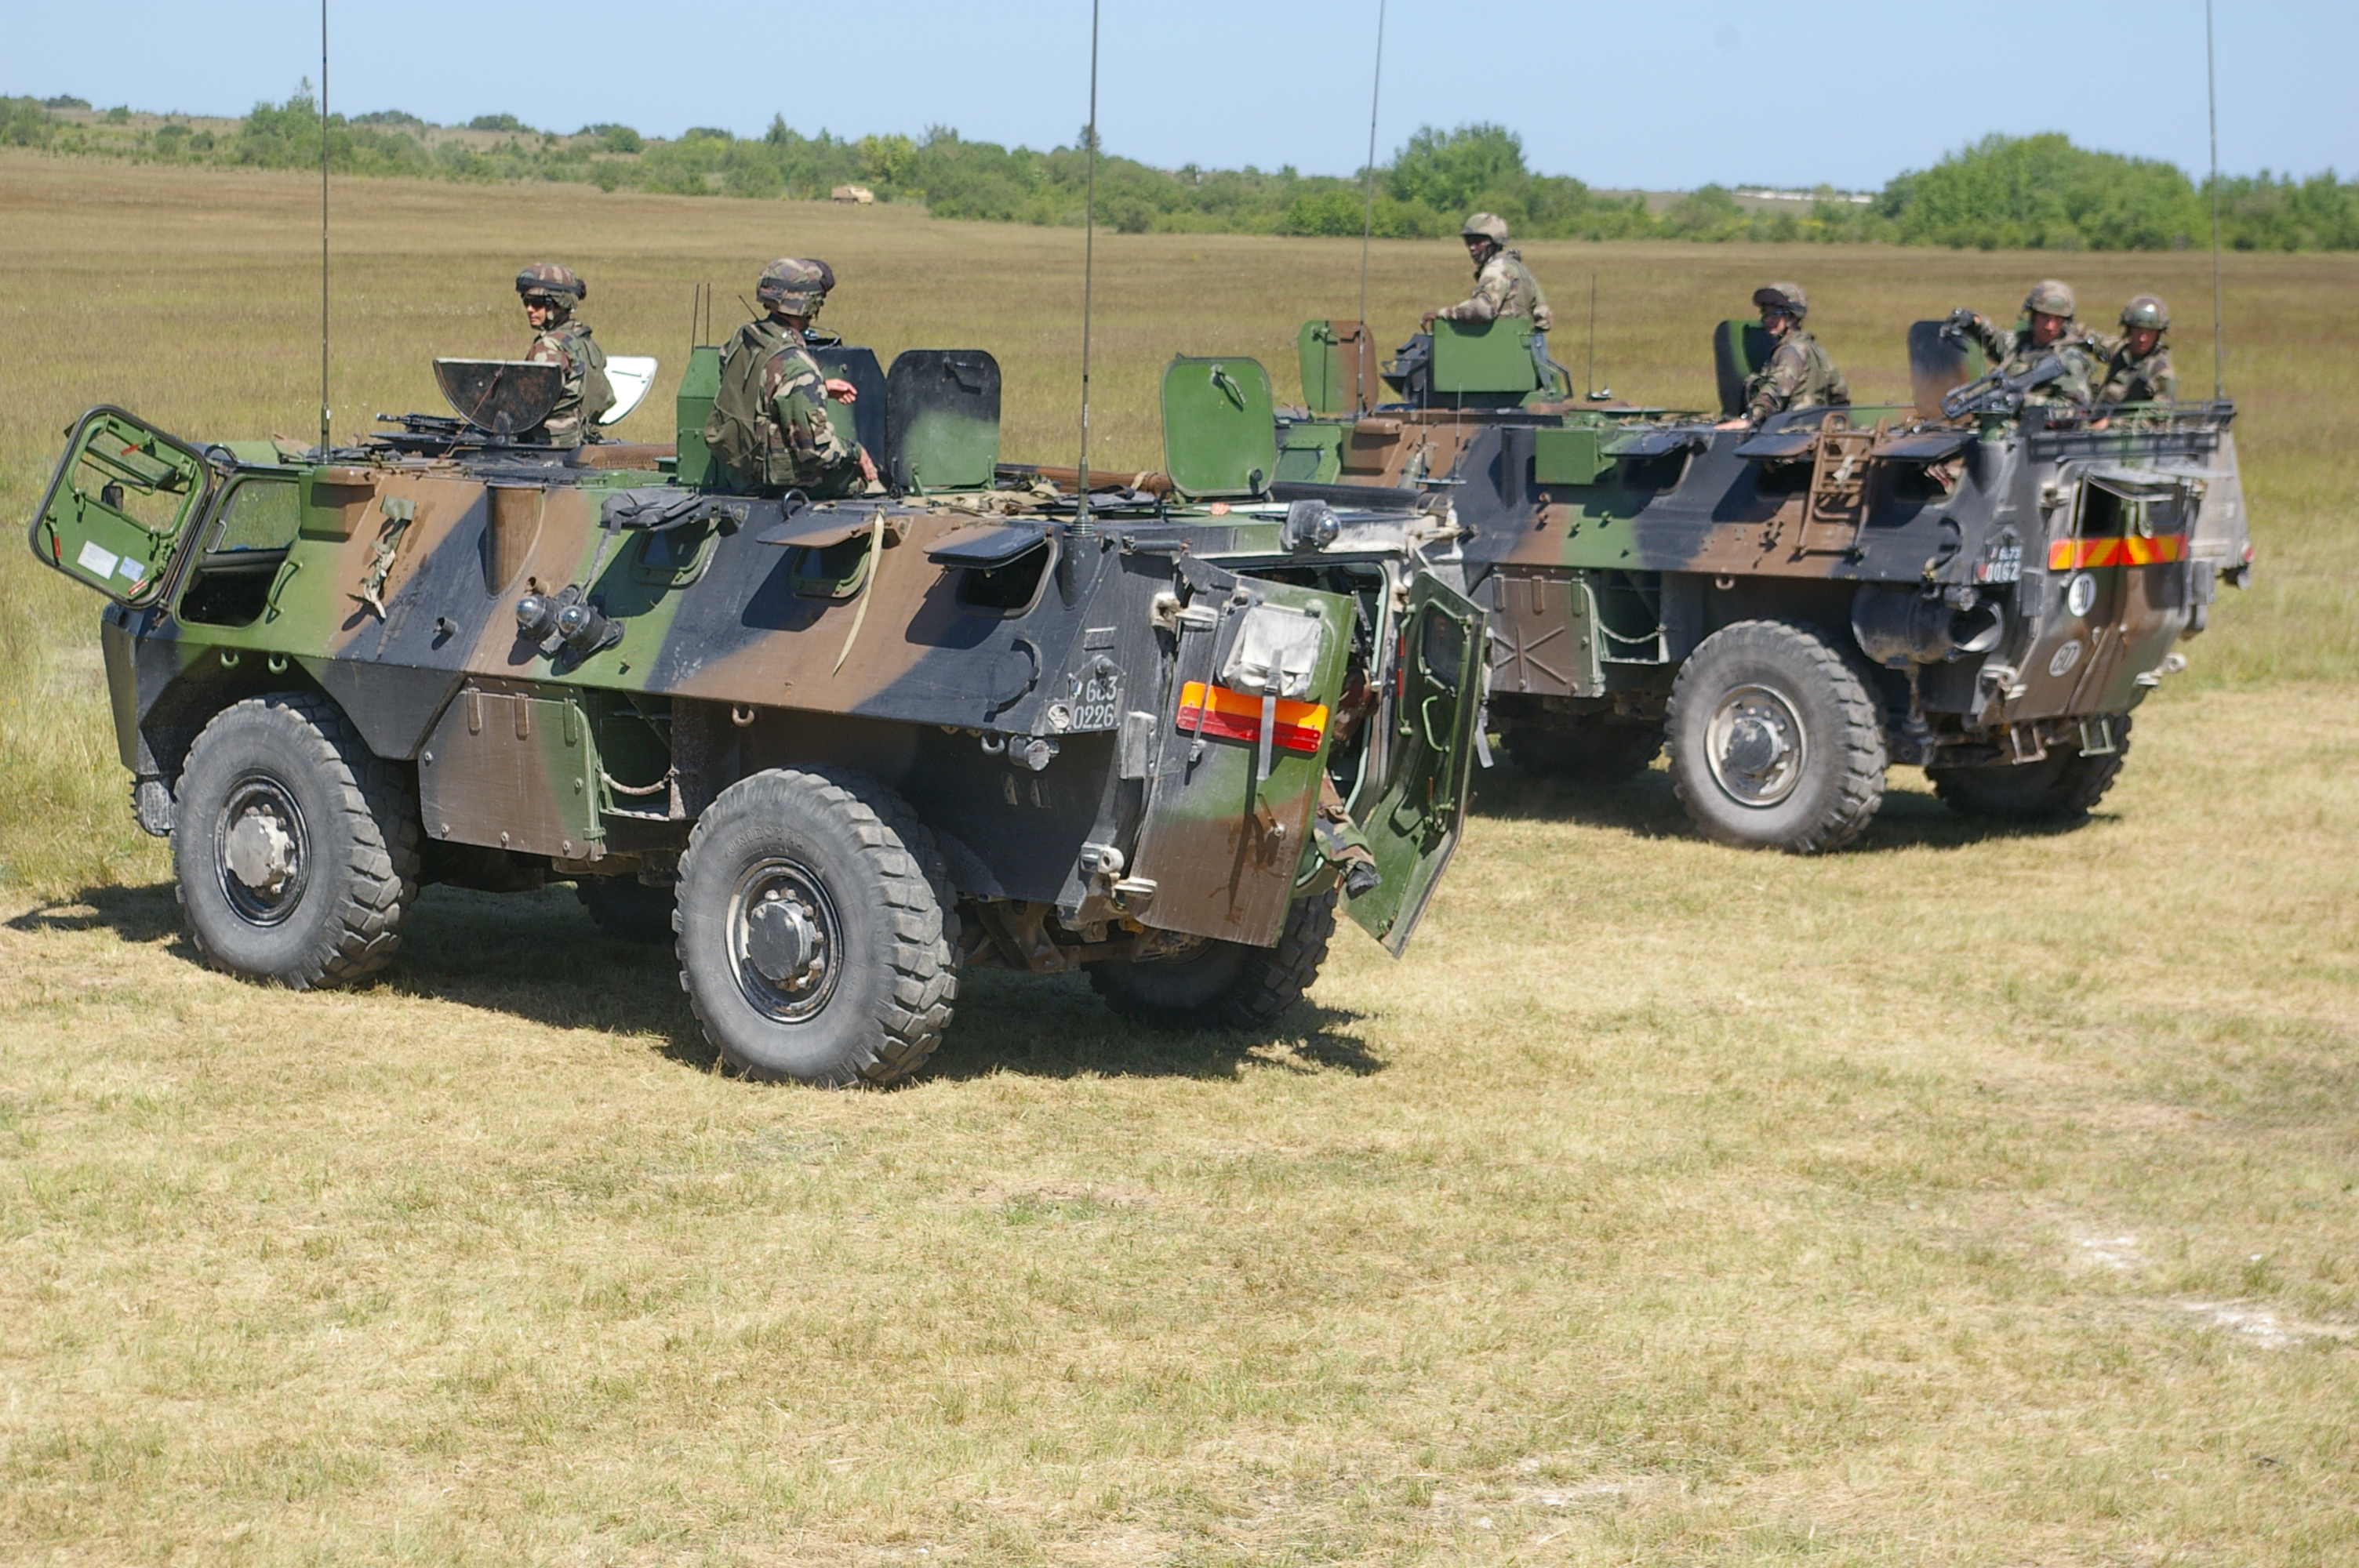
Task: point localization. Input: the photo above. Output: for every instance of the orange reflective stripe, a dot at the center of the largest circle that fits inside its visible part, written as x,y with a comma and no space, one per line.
1235,716
2070,555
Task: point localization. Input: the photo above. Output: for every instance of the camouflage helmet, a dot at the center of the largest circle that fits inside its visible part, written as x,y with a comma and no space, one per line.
1484,226
2050,296
795,286
1786,296
2146,310
549,283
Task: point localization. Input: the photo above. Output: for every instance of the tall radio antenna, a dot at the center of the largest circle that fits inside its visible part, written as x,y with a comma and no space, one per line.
1368,221
324,417
1089,267
2211,99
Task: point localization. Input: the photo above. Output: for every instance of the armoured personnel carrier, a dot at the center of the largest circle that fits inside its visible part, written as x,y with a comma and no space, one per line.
835,751
1970,583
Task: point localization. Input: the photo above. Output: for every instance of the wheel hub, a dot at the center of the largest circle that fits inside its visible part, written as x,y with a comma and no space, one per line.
1756,747
783,940
260,852
783,944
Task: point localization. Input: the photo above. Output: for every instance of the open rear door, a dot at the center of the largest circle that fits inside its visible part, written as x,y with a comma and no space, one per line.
123,497
1413,812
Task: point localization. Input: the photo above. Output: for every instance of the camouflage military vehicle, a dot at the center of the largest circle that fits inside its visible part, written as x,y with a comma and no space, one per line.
1966,584
835,752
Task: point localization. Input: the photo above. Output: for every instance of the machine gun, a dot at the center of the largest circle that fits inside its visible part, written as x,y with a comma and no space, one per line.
1995,393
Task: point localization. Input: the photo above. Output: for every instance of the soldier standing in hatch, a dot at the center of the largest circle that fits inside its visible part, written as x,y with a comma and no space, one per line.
2050,329
769,424
551,294
1504,287
1800,374
2137,370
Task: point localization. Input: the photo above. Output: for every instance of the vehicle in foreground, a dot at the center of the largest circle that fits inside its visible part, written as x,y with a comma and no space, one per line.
835,751
1972,584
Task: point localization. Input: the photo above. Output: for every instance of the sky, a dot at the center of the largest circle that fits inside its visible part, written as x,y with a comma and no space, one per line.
1666,96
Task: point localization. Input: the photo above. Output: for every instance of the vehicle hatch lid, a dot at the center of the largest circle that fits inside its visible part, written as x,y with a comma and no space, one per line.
1220,428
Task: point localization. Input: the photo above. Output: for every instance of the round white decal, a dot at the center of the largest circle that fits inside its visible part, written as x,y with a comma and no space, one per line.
2066,656
2081,594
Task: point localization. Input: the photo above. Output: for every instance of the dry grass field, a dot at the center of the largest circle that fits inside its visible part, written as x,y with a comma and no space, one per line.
1974,1197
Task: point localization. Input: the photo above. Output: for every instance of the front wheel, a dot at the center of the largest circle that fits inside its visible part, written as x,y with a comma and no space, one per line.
810,933
2060,786
294,845
1224,985
1777,740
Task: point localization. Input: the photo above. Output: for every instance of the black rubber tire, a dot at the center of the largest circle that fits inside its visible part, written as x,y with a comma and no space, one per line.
1831,702
1589,749
895,977
627,909
1224,985
358,840
2061,786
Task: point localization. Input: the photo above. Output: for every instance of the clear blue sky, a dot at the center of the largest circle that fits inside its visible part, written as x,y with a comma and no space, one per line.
1668,95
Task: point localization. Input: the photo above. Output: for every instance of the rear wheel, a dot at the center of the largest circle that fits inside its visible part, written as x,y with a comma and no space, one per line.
1775,739
295,847
1587,749
1224,985
2059,786
810,933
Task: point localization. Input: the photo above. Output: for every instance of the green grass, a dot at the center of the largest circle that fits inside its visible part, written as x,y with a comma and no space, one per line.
1976,1196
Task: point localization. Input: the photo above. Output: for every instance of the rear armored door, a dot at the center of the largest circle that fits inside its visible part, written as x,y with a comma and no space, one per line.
1414,806
123,499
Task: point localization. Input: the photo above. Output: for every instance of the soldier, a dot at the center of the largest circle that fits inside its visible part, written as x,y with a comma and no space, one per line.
769,424
2050,329
550,294
2137,370
1799,373
1503,287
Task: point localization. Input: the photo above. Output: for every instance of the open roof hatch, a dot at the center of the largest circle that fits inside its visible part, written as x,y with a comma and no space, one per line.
943,429
1220,432
505,397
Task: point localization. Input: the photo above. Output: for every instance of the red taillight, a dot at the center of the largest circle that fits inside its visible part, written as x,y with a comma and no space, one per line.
1234,716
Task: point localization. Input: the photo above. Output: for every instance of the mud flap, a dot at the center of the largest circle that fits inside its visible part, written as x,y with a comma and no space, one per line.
1412,815
119,505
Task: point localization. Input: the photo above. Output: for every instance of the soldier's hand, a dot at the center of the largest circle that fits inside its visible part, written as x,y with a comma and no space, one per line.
867,464
844,392
1426,320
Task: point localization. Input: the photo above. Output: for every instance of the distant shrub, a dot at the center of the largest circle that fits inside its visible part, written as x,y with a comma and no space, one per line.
496,123
67,102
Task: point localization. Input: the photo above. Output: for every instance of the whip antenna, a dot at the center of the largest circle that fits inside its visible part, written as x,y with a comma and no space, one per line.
2211,102
1368,222
1589,376
1089,266
324,228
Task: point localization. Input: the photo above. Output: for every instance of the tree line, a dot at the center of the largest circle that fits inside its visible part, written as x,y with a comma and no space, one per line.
2039,192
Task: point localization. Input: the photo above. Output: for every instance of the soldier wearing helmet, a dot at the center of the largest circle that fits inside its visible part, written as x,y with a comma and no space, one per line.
2138,365
551,293
1800,374
1504,287
2049,329
769,424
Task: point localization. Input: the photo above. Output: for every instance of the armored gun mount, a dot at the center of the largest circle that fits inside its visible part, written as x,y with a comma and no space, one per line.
834,751
1973,583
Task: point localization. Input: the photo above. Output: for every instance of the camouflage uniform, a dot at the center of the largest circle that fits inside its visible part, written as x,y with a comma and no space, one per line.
1799,374
2139,378
578,411
1503,287
2011,351
566,342
2128,379
779,436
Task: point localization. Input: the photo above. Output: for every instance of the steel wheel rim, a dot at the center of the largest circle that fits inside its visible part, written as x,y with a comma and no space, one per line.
256,799
1756,747
778,880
